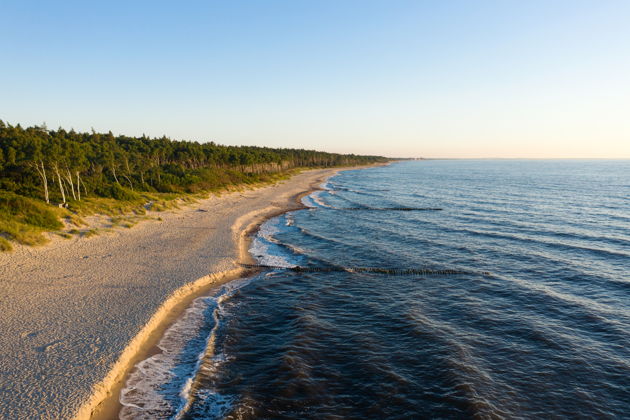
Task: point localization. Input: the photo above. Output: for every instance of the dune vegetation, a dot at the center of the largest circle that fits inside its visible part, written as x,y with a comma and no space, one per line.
52,179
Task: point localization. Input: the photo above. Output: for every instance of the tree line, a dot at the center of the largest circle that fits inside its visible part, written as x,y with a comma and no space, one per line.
60,165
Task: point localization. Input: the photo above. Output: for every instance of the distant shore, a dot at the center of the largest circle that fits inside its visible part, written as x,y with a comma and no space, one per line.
78,315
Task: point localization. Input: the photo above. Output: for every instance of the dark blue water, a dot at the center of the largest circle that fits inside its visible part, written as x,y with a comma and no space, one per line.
535,325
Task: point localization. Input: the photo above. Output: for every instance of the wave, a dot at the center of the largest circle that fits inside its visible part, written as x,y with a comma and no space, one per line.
325,335
316,197
350,190
163,386
514,237
160,386
368,208
543,238
308,202
269,251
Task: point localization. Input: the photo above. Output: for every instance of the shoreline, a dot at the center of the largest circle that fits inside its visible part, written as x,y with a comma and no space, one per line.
104,401
88,300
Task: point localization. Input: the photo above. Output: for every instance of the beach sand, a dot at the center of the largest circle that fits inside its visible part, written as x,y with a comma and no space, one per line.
77,314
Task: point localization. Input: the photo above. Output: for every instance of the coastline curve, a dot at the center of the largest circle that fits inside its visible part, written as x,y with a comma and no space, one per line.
103,402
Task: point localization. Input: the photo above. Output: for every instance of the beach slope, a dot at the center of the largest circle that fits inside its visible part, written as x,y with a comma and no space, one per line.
70,310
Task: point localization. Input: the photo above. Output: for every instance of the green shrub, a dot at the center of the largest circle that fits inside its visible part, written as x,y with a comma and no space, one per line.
90,232
5,245
121,193
29,211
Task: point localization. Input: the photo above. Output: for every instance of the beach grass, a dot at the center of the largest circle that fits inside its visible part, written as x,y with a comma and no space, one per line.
25,220
5,245
90,232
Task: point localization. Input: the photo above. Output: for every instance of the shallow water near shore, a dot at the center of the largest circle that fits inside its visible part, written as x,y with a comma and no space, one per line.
524,312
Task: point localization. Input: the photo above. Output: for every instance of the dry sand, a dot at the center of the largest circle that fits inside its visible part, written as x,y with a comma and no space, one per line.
77,314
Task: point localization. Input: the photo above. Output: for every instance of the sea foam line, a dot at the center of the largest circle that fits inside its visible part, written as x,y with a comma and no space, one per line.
144,395
128,358
174,369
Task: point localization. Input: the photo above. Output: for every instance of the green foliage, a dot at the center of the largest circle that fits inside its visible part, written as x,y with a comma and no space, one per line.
5,245
28,211
120,193
20,232
90,173
75,165
24,219
90,232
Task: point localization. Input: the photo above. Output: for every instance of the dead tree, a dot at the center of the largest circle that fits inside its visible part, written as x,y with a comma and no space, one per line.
41,170
71,183
63,192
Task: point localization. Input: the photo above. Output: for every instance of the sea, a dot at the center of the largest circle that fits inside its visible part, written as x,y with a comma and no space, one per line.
486,289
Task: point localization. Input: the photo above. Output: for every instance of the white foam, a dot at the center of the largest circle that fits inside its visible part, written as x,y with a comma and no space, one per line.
314,200
308,202
215,405
266,249
316,197
161,386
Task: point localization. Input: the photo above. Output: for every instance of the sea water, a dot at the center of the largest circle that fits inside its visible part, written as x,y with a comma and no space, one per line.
422,289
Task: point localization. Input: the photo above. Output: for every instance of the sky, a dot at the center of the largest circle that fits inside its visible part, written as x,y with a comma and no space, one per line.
435,79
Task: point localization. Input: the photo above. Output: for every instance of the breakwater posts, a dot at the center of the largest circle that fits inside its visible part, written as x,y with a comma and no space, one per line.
370,270
387,208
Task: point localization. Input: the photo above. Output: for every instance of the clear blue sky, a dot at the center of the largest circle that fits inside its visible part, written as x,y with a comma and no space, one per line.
400,78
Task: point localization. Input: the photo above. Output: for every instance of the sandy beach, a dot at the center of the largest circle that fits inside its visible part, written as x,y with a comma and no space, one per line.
77,314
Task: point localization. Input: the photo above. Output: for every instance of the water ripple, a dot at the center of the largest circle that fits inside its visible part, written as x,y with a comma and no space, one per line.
546,336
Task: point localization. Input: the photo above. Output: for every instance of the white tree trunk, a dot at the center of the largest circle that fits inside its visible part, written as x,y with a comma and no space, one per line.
69,179
83,184
114,172
130,183
63,193
42,174
78,186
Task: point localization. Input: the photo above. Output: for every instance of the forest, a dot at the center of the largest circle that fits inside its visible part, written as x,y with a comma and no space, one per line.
42,169
59,165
